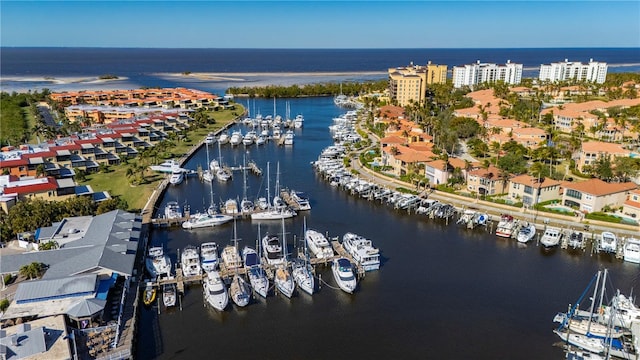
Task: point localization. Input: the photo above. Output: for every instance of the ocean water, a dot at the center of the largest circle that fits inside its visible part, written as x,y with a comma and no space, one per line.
442,291
78,68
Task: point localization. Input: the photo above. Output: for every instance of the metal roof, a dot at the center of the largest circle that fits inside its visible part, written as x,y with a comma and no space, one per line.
41,290
86,308
30,342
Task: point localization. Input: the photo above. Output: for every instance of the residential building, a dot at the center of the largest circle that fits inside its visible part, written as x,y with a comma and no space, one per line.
594,194
593,71
531,190
409,83
486,181
405,159
631,206
437,171
592,151
478,73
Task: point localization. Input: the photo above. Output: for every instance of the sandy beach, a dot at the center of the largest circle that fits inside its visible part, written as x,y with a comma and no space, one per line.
270,78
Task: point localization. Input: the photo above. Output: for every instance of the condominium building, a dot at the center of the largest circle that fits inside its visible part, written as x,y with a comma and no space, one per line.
409,83
478,73
594,71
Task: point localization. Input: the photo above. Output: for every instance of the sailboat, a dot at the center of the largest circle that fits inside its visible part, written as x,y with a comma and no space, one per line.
302,270
246,205
283,279
239,289
221,173
257,276
208,218
208,175
272,212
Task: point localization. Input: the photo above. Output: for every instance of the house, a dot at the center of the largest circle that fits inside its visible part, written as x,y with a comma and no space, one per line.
631,206
437,171
404,159
486,181
594,194
531,190
592,151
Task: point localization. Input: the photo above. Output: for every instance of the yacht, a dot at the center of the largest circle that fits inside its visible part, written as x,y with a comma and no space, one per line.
210,139
343,274
172,210
608,242
157,263
167,166
231,207
505,226
362,251
303,275
169,294
236,138
246,206
298,121
526,233
200,220
215,292
209,256
230,257
190,261
288,137
223,138
631,250
272,249
551,237
261,140
240,291
318,244
208,176
301,200
257,276
223,175
177,176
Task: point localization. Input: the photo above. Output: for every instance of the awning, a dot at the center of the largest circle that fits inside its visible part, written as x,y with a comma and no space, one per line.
86,308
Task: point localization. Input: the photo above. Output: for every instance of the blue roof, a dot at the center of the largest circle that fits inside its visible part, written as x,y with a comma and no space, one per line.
105,285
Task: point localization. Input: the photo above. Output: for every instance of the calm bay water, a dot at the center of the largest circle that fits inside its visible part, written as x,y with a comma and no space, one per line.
442,291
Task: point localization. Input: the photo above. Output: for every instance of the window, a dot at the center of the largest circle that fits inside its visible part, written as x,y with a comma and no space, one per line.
574,194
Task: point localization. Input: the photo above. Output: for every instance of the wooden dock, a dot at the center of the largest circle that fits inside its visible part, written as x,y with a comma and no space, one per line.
164,222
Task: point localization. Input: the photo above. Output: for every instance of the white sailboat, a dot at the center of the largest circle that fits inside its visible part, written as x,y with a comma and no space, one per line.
257,276
272,213
302,270
239,290
283,279
246,205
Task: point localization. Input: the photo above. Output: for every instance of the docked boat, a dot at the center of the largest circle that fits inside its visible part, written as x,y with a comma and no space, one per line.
526,233
172,210
256,274
210,139
272,250
362,251
240,291
303,275
342,270
215,292
301,199
318,244
551,237
231,207
157,262
631,250
273,214
223,138
200,220
261,140
169,294
223,175
209,256
230,257
576,240
298,121
288,137
177,176
594,345
167,166
236,138
505,226
284,281
149,294
608,242
190,261
590,327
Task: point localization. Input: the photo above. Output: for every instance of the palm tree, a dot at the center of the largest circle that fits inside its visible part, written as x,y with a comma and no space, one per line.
33,270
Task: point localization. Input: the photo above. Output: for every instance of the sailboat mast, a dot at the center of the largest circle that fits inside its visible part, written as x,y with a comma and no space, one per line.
244,174
593,300
268,185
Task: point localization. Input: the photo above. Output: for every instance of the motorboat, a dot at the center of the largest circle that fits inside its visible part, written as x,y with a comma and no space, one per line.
223,138
215,292
298,121
149,294
205,219
231,207
208,175
551,237
631,250
190,261
318,244
303,275
256,274
505,226
249,138
262,203
177,176
230,257
608,242
576,240
167,166
169,294
362,251
342,270
284,281
272,249
261,140
288,137
246,206
240,291
301,200
157,262
526,233
172,210
209,256
210,139
236,138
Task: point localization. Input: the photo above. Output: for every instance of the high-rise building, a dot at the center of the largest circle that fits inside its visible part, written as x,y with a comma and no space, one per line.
594,71
478,73
409,83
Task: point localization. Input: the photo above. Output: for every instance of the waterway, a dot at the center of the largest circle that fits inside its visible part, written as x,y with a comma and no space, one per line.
442,291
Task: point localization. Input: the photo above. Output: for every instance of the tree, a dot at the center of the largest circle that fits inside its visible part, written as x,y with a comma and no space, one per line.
48,245
626,167
602,167
33,270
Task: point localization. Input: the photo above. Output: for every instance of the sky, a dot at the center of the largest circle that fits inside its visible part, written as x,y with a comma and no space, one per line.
320,24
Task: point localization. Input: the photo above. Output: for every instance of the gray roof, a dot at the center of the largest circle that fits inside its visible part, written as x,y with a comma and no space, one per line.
109,242
86,308
40,290
30,342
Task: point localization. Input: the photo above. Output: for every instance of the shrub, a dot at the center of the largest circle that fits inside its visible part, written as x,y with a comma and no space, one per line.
4,304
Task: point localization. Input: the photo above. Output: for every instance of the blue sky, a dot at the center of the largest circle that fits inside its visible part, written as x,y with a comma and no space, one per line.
320,24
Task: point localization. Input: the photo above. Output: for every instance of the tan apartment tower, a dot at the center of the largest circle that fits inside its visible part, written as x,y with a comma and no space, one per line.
409,83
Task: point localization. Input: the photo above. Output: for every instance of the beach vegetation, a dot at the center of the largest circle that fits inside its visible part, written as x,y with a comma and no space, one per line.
108,77
4,304
315,89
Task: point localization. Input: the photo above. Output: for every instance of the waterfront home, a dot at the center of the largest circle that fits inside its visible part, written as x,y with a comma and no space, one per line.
631,206
591,151
404,159
486,181
437,171
594,194
531,190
